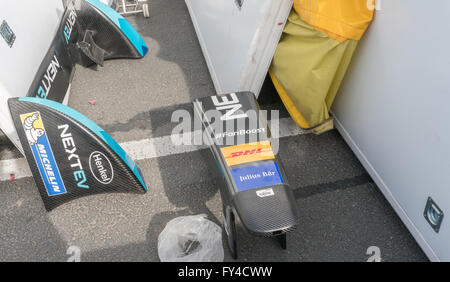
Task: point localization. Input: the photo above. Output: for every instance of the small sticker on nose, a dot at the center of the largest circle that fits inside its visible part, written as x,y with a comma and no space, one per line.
265,193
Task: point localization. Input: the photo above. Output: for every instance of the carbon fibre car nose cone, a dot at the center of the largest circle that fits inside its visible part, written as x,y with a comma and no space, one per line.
69,155
254,189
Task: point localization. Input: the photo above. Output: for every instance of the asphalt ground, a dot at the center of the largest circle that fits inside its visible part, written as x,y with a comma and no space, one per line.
342,211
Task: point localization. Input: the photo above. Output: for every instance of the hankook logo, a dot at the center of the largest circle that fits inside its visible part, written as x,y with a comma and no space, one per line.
101,167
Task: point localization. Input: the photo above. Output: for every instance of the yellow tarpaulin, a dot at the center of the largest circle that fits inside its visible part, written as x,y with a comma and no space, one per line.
347,19
313,55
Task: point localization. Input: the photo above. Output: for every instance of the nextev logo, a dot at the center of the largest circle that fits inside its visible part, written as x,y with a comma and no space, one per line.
42,153
70,22
49,77
70,147
101,167
231,106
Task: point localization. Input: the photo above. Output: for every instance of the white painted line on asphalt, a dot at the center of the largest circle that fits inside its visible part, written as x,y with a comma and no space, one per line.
19,167
142,149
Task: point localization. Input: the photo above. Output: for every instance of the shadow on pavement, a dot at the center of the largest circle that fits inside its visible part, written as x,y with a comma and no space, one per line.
26,232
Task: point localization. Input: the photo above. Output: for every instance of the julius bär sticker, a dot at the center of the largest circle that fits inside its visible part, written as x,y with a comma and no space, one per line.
257,176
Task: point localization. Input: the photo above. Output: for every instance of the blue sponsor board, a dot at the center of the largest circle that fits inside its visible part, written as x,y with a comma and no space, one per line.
43,154
257,176
48,169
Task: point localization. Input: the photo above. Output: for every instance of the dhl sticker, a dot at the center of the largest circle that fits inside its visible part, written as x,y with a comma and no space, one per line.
246,153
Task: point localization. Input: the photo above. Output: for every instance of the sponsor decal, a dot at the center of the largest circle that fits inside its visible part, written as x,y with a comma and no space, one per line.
42,153
48,78
257,176
101,167
265,193
70,147
54,66
250,152
70,22
240,132
231,108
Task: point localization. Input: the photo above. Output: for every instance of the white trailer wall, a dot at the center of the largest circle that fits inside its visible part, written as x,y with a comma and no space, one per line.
394,110
238,39
35,24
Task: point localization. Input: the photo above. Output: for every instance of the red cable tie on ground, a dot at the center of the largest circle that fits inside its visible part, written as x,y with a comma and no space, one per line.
12,177
93,102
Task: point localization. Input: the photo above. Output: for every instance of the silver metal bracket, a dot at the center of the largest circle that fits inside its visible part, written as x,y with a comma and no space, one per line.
433,214
7,33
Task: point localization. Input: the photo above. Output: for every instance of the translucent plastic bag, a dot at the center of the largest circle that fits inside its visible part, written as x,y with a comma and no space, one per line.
191,239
